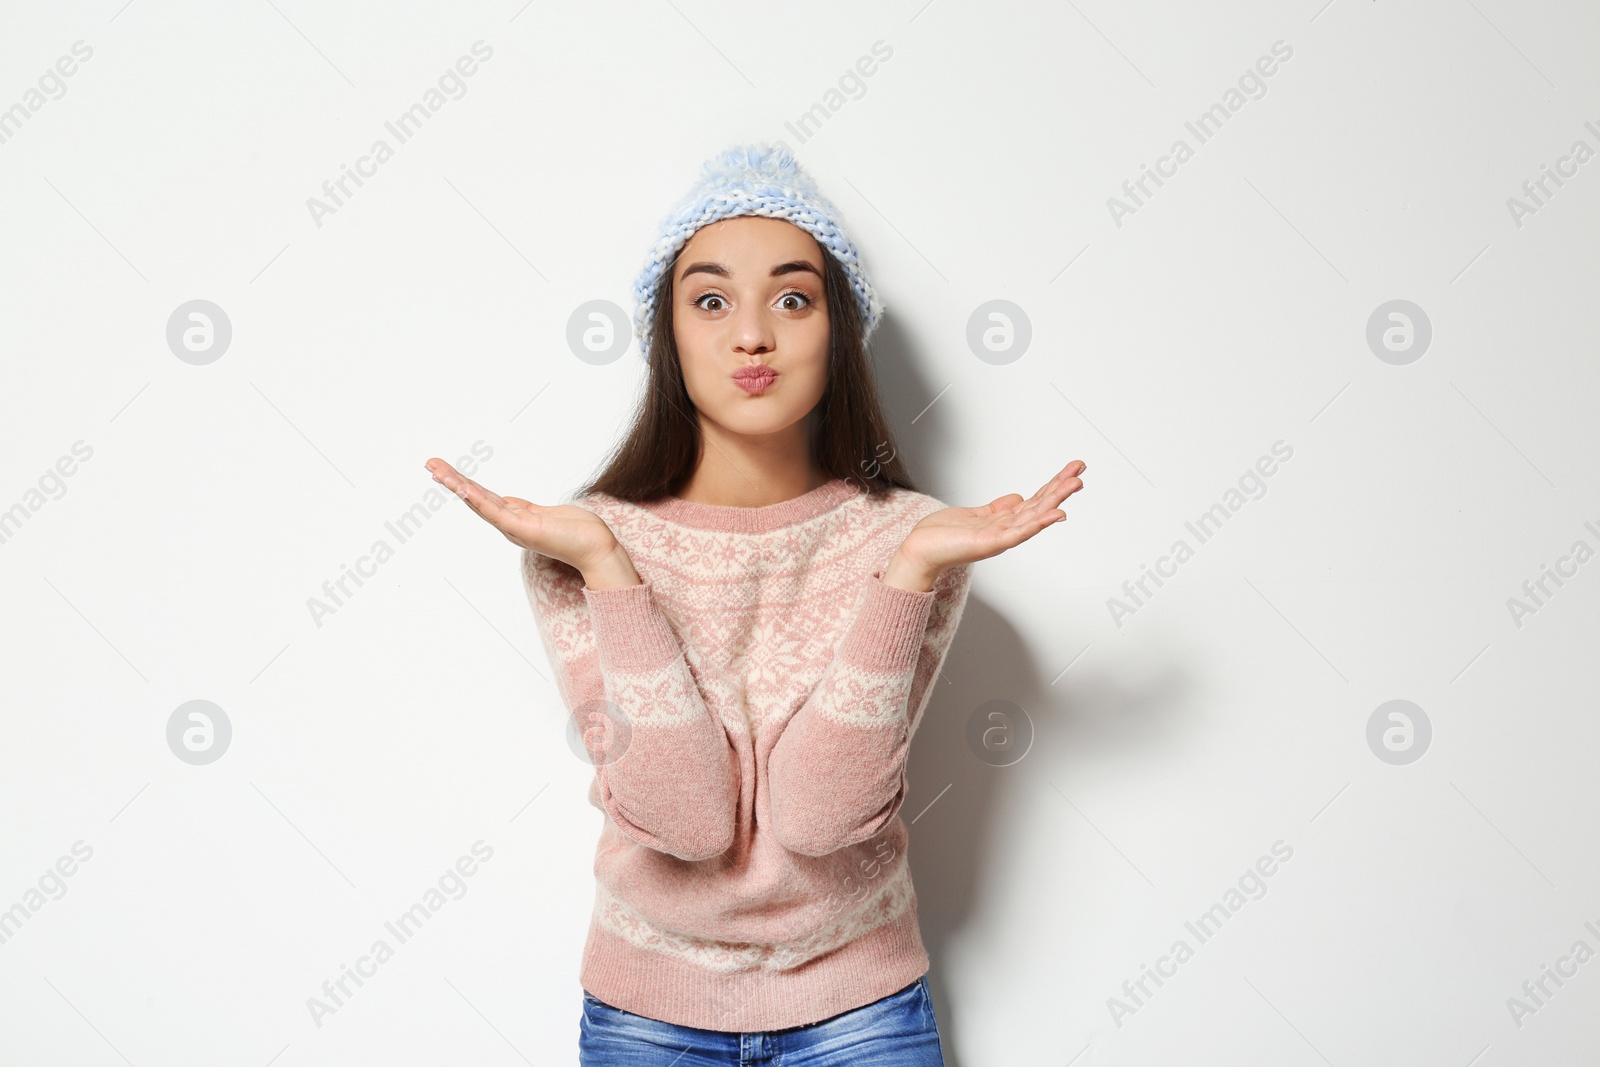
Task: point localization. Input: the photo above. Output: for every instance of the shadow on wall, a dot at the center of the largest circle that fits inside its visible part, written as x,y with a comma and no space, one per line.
952,844
1085,712
905,391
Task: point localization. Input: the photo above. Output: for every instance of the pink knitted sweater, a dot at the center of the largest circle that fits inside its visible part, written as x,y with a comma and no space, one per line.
758,693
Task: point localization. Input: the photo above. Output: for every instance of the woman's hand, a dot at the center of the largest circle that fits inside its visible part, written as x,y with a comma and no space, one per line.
965,535
576,536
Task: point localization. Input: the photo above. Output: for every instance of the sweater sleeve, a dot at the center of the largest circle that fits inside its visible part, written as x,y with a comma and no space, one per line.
837,774
664,769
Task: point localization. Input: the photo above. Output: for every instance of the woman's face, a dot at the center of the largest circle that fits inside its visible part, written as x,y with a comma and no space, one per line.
748,292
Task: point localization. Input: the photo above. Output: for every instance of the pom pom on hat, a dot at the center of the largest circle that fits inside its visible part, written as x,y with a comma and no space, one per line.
755,179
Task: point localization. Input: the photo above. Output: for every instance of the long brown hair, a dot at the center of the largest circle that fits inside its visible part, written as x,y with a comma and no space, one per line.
850,438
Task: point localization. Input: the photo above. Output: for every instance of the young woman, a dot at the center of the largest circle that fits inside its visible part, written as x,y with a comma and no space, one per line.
746,611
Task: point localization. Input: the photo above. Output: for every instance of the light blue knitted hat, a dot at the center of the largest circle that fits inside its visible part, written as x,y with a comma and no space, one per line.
751,179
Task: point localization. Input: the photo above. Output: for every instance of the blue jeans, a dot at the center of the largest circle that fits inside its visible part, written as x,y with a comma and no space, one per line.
896,1031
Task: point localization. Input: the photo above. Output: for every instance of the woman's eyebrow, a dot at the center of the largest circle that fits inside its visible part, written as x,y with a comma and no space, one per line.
795,265
782,268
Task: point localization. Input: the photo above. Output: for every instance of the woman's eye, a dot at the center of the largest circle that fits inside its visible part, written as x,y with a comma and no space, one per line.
783,301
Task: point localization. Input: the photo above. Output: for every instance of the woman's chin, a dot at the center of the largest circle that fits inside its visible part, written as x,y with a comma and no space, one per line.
755,418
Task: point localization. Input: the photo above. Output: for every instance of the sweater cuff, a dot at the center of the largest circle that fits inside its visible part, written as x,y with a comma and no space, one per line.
890,627
630,632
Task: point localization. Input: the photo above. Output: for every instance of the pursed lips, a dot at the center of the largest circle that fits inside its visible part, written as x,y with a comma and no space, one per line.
754,379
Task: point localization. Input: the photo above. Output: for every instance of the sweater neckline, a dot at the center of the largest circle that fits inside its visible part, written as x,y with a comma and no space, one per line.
735,519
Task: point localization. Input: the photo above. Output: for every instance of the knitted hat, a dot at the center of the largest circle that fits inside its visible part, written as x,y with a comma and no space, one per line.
751,180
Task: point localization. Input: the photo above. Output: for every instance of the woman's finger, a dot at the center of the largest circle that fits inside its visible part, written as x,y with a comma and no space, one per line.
479,490
1056,481
454,480
489,506
1064,484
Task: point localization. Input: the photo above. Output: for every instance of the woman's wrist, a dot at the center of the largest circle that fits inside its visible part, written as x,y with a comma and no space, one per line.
905,573
614,572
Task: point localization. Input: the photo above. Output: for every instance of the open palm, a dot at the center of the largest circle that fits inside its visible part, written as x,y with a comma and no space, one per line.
574,535
964,535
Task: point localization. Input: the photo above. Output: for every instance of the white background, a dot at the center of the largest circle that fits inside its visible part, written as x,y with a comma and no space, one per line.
1169,352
